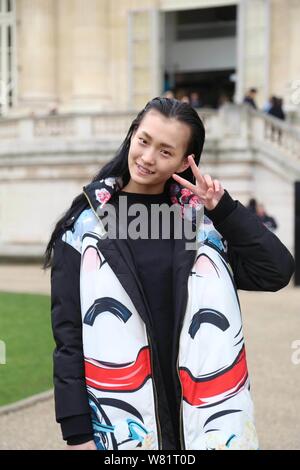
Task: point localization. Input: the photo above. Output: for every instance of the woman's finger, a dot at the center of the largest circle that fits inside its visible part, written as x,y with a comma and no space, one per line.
208,181
210,193
184,183
195,170
217,185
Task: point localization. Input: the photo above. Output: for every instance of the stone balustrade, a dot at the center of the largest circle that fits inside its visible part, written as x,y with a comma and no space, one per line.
103,126
45,160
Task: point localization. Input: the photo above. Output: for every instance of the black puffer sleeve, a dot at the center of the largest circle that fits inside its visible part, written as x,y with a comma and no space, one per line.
71,400
259,260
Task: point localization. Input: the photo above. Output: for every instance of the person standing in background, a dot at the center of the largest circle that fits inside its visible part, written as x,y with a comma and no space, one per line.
250,98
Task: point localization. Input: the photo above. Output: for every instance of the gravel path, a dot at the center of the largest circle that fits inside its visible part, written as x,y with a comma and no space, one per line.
23,278
33,427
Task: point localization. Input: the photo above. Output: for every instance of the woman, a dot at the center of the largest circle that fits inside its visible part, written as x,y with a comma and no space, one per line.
149,341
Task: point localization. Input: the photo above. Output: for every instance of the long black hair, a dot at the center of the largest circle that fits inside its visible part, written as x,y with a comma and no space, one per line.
118,166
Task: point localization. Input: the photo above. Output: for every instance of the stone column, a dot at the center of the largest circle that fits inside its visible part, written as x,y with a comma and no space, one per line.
285,59
65,20
36,54
90,56
253,43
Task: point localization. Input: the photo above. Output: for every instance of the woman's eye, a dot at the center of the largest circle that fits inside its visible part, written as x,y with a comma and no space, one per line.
166,153
142,140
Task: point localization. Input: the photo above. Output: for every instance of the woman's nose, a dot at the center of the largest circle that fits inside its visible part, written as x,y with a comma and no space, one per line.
149,156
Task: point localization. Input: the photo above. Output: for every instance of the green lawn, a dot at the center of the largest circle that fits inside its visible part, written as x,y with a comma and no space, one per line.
26,330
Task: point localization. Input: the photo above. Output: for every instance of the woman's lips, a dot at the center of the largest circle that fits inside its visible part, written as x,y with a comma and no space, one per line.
143,171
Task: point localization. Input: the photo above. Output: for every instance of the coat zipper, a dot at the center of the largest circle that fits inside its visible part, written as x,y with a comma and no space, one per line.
150,345
181,437
180,411
155,397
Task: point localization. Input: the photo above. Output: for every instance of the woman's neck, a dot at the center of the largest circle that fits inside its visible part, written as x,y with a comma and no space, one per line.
133,187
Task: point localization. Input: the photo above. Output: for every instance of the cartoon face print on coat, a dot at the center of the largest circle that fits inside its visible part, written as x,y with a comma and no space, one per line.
213,371
128,433
217,367
117,358
108,314
105,375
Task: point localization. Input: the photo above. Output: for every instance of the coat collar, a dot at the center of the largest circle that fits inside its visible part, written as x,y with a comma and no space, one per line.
100,192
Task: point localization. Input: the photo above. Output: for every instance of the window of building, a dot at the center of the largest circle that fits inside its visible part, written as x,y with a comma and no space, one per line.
206,23
7,55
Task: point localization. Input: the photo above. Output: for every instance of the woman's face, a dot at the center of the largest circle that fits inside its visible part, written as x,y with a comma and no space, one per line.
156,151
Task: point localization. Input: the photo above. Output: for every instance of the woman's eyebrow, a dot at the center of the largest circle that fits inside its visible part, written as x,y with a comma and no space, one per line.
162,143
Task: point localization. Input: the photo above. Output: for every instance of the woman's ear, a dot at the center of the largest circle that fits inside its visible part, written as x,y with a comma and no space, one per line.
185,164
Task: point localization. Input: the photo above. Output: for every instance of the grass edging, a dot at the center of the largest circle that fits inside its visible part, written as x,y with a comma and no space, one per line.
26,402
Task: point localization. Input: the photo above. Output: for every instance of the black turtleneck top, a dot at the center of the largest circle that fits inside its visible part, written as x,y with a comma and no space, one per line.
153,261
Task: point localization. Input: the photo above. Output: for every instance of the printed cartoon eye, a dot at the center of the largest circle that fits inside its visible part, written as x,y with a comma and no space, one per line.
207,315
106,304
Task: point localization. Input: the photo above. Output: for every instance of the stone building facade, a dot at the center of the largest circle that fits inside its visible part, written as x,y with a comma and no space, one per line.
73,74
96,55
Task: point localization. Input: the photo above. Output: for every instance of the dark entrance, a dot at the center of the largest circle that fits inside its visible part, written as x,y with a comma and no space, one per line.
214,87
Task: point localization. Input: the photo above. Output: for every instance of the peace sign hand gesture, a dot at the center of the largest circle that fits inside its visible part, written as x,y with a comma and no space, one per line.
209,191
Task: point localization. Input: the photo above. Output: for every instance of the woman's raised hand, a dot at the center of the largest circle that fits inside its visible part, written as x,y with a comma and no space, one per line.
208,190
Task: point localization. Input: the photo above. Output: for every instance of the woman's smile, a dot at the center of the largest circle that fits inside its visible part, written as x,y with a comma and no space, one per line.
143,171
